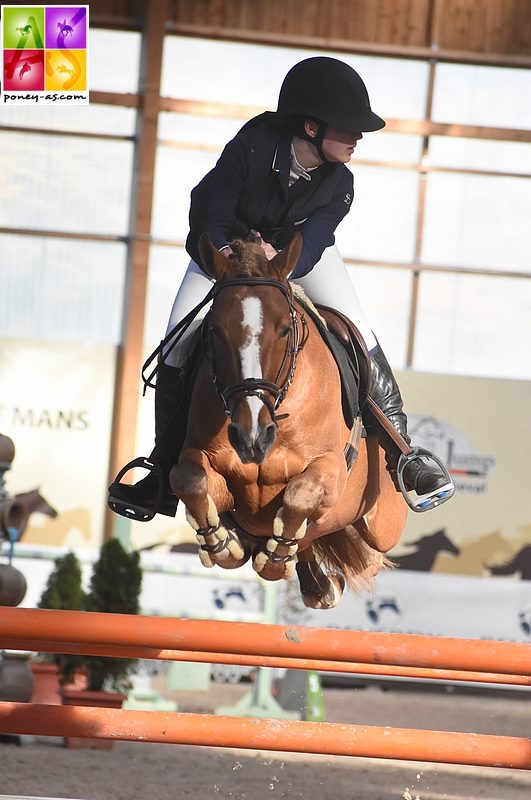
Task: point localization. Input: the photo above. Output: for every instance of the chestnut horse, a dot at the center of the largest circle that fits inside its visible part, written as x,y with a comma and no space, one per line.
262,472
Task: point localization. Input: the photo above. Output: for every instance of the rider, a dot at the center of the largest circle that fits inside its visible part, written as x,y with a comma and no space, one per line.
284,171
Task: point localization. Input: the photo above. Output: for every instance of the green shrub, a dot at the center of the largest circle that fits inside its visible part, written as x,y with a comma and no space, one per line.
114,588
64,592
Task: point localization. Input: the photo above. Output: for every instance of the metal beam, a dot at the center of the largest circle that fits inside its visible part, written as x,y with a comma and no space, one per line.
327,43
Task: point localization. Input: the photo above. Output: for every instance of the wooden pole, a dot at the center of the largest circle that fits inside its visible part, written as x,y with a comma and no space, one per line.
325,738
40,628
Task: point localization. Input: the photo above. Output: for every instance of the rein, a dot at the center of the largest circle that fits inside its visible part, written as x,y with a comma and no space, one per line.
173,336
259,387
249,387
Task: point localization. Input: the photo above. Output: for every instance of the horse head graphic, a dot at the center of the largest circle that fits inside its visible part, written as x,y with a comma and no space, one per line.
427,548
376,606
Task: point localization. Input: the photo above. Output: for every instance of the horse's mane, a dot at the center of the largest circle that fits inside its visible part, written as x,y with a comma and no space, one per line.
247,259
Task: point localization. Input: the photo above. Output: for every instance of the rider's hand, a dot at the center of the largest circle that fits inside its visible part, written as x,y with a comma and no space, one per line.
268,249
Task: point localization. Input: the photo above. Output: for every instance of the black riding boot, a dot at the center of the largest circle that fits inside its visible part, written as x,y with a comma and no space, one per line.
424,477
152,494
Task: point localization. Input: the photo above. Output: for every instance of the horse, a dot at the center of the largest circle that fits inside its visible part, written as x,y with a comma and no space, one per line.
262,472
15,511
521,563
423,558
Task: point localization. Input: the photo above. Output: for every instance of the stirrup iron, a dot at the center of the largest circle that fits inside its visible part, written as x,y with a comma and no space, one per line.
134,510
424,502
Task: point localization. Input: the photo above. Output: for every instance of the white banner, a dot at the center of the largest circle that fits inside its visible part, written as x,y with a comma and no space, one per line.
57,408
427,604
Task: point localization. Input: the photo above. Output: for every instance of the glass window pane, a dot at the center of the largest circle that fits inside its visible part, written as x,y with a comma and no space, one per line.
458,153
471,95
114,62
473,325
397,87
167,266
381,222
61,289
176,173
87,119
385,296
398,147
215,131
477,221
64,183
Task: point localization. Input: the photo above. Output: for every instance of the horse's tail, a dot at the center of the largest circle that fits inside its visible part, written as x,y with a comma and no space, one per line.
347,553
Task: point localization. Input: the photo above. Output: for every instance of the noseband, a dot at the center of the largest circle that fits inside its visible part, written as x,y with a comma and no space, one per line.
270,393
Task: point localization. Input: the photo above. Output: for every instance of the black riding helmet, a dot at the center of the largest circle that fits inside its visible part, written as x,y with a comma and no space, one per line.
330,91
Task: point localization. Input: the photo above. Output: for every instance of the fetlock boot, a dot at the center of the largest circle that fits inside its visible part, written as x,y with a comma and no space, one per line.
152,495
421,473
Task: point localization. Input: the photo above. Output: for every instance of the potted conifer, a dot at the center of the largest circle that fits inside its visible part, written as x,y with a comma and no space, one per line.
115,588
63,591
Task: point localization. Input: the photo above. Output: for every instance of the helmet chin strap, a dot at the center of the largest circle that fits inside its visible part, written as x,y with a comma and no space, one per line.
318,141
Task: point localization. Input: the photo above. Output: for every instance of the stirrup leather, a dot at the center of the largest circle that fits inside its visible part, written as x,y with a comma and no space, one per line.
131,510
428,501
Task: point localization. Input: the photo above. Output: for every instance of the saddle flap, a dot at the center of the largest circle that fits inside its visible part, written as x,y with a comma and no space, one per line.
351,339
335,335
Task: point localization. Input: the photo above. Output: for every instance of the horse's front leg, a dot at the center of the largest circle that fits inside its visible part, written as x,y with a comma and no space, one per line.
307,495
205,495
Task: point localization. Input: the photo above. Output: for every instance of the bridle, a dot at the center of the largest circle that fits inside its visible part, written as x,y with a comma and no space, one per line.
270,393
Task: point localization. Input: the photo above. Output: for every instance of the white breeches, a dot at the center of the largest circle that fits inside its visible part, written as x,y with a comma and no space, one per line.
328,283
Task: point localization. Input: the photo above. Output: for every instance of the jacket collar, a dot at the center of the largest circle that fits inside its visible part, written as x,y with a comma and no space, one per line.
281,161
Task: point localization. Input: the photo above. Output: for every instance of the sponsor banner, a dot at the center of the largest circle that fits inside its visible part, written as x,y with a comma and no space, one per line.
427,604
474,425
206,594
44,55
56,406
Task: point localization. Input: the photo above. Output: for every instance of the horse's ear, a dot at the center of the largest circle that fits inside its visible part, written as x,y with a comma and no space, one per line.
212,261
286,260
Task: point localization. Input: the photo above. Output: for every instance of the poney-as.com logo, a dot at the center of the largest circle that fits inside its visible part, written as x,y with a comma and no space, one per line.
44,55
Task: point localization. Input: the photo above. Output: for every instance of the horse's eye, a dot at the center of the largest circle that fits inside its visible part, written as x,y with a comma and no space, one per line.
284,331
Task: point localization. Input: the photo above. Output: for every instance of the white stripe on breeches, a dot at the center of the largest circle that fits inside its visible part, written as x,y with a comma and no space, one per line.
328,283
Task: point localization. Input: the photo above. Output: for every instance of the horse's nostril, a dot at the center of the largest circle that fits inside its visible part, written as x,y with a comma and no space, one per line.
269,434
238,437
234,435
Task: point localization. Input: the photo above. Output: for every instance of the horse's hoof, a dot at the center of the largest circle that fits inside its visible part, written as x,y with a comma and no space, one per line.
330,597
218,546
273,569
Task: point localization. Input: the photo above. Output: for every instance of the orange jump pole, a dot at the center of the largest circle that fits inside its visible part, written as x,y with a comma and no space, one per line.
325,738
320,665
27,628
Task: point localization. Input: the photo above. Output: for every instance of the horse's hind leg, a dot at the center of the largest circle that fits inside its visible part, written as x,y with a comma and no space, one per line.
205,497
318,589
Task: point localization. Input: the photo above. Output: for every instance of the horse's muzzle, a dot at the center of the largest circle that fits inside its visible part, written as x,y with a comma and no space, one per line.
249,450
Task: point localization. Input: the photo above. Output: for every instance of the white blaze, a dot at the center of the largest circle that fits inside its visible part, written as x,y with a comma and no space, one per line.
250,353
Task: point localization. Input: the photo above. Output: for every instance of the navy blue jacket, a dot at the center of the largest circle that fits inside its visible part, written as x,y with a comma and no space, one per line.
248,189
